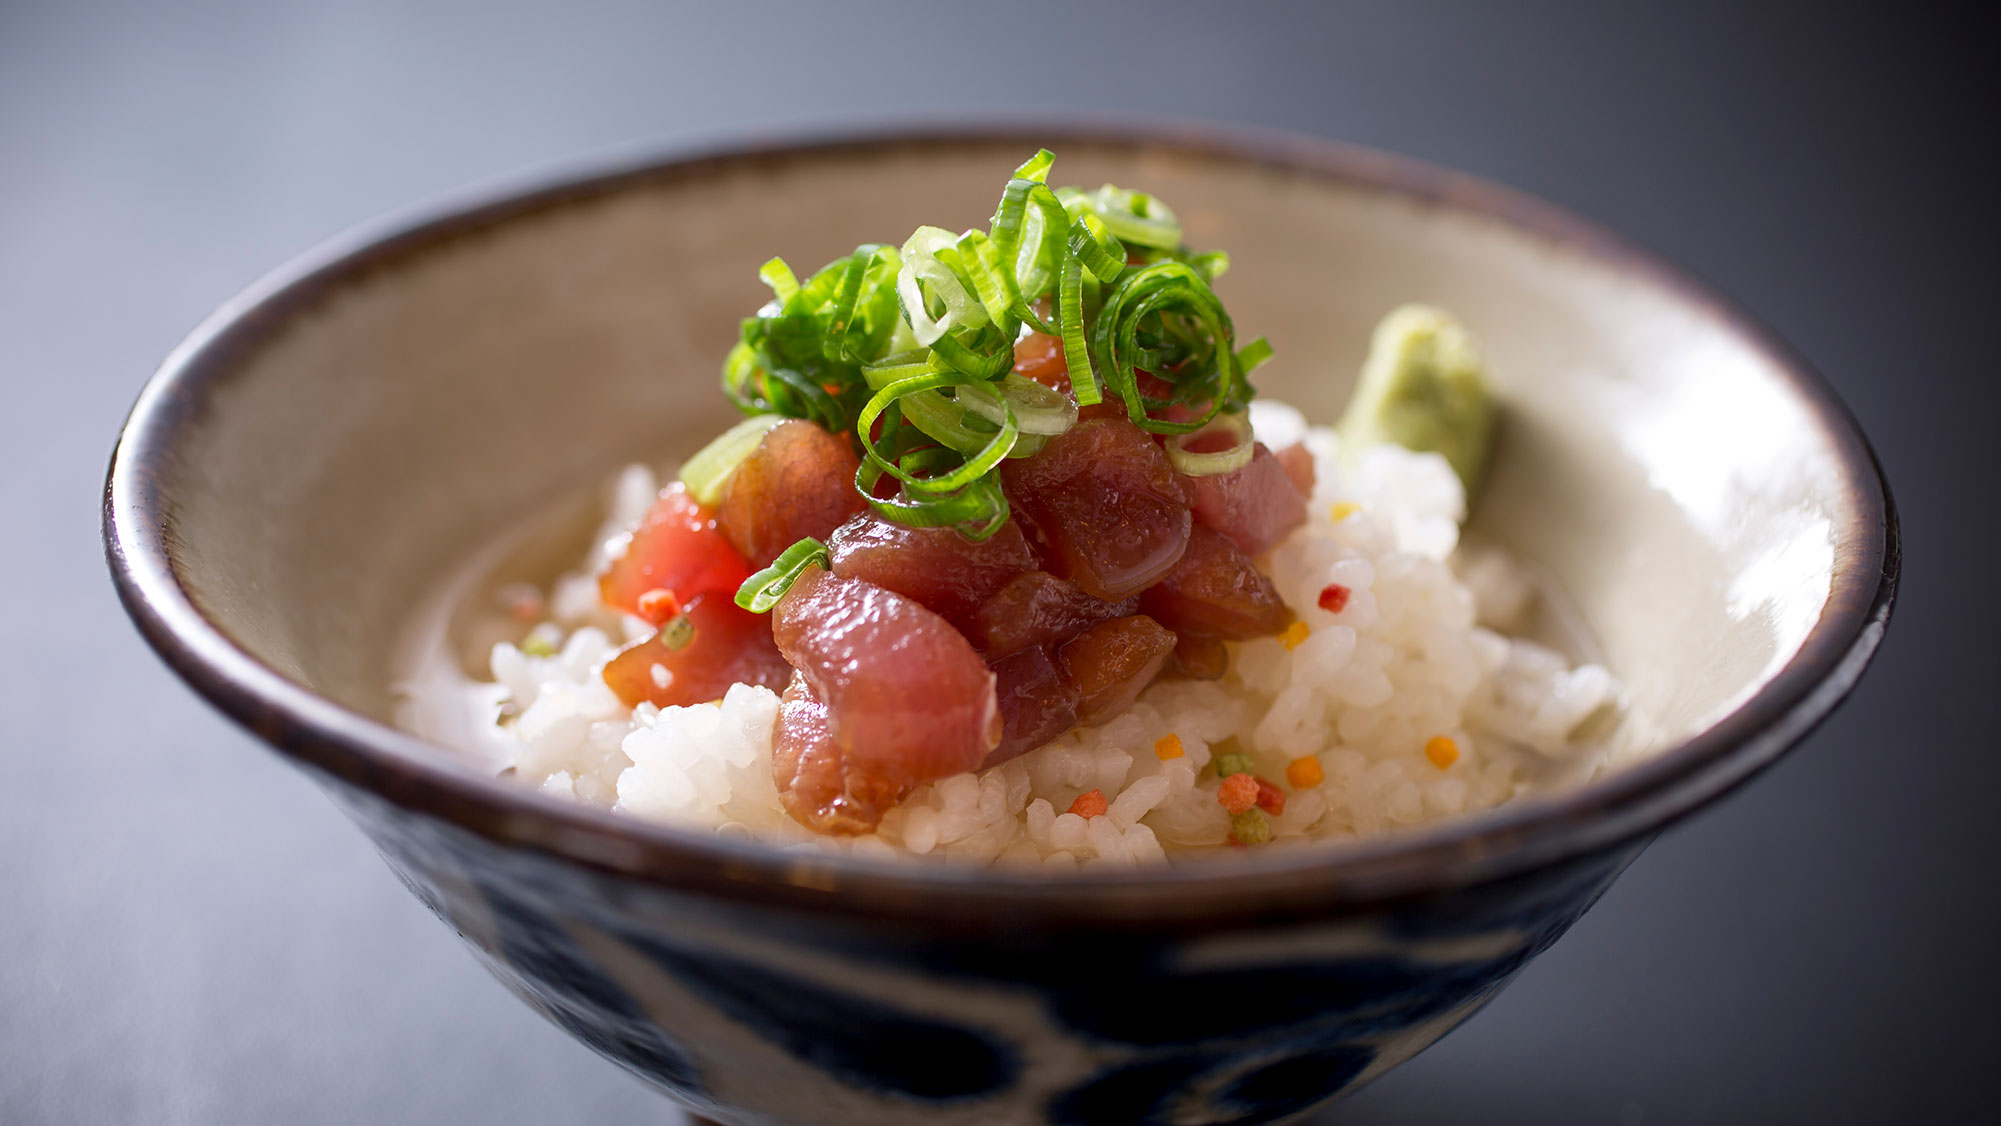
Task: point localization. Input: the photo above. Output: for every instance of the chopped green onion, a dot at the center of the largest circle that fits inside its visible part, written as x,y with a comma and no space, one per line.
676,632
925,278
761,591
1070,306
1133,216
1036,167
1188,336
780,278
912,348
1234,457
1036,409
976,465
977,511
1253,355
709,471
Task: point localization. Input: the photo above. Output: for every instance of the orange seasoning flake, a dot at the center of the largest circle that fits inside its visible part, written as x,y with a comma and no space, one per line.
1442,751
1334,598
1238,792
1304,773
1167,747
1089,805
1294,635
659,605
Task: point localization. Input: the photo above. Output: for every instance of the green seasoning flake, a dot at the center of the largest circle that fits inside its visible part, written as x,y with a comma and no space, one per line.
1251,827
1424,388
1233,762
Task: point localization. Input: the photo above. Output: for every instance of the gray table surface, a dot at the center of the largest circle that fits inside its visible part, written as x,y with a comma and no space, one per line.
190,933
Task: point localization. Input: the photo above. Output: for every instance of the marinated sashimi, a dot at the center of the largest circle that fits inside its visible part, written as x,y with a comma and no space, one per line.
677,548
818,785
1036,702
799,481
1111,663
1216,591
950,574
697,656
1036,608
1039,356
908,699
1198,657
1297,461
1256,505
1107,510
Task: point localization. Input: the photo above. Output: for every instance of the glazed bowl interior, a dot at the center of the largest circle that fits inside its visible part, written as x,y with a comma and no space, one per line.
372,429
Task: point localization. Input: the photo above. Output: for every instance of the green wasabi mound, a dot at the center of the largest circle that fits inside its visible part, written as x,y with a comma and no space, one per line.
1423,387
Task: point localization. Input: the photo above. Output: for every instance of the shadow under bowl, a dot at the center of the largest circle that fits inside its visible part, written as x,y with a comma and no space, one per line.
303,469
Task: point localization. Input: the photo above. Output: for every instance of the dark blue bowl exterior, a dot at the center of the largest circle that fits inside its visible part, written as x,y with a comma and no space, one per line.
759,1014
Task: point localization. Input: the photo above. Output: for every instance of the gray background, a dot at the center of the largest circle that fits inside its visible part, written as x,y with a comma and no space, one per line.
190,933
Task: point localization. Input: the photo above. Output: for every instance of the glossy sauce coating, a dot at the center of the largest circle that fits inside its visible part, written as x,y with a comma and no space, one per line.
1254,506
1109,664
950,574
729,645
1216,591
1103,505
799,481
907,696
1037,608
677,547
1036,702
818,785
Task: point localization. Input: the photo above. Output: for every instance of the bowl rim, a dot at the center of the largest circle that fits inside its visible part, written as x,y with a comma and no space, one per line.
338,744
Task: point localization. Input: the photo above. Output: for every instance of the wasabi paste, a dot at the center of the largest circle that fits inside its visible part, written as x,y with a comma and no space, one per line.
1423,387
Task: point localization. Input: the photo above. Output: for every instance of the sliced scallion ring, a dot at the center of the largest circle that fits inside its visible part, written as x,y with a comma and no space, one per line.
760,592
1037,409
709,472
1236,427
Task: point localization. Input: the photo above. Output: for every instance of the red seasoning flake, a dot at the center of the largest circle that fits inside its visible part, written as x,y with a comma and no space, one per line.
1270,798
1334,598
659,605
1238,792
1090,804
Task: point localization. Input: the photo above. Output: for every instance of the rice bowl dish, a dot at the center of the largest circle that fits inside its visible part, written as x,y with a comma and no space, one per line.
1406,661
1396,694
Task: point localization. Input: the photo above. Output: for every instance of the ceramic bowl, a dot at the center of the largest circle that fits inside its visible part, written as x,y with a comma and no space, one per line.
300,472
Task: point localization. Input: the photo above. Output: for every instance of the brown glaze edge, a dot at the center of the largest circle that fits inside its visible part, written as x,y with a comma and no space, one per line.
414,774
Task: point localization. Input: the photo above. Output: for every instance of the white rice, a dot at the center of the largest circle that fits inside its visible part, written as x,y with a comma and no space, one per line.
1410,658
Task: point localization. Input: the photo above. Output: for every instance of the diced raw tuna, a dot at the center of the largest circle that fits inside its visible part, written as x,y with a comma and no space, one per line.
1109,664
729,644
1255,505
940,568
1039,357
799,481
819,787
676,547
1036,703
1216,591
1150,386
908,698
1298,462
1103,504
1199,658
1037,608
